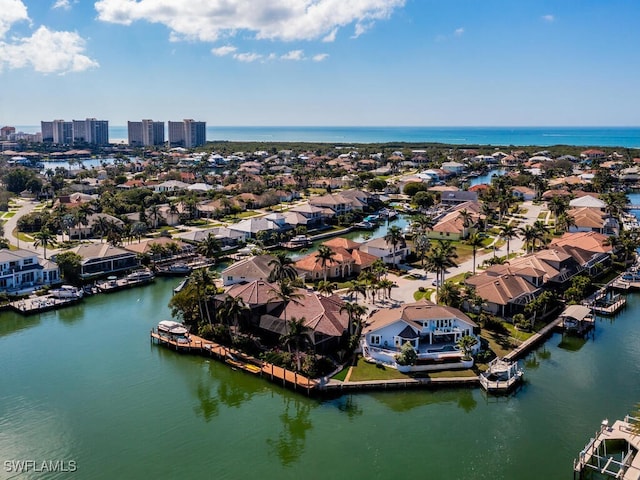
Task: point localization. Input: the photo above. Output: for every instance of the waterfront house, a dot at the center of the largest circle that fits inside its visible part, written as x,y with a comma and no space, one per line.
457,197
248,270
432,330
378,247
100,259
22,269
325,321
505,294
588,219
228,238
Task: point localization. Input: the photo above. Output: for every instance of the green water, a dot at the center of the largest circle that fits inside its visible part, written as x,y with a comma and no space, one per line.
85,384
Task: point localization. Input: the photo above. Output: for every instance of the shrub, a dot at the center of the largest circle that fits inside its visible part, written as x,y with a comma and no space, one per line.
407,355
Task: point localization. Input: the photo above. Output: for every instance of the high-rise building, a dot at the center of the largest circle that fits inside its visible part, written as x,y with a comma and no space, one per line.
134,133
188,133
90,130
62,132
145,133
80,134
46,129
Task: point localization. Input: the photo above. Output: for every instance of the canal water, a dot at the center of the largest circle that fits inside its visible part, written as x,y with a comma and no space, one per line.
84,384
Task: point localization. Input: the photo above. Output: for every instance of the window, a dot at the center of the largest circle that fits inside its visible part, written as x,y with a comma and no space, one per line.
375,339
230,278
28,261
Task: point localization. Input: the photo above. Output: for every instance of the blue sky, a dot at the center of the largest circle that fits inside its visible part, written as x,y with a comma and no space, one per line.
322,62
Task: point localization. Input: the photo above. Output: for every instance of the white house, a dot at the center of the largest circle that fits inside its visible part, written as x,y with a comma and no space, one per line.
378,247
21,269
432,330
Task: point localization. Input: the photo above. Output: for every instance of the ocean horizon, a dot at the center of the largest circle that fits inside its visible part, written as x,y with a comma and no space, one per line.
624,137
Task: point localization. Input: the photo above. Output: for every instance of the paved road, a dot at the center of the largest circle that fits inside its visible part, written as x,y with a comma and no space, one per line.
26,206
406,287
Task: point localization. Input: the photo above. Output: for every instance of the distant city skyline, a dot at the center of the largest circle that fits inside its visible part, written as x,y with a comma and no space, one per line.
321,62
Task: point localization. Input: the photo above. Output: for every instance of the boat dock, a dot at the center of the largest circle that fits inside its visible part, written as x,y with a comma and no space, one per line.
198,345
501,376
113,284
44,303
612,452
532,341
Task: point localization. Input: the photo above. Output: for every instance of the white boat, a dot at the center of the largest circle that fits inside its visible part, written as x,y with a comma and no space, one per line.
140,276
66,291
172,328
299,241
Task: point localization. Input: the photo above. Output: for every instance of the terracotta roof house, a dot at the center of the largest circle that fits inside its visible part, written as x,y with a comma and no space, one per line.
524,193
505,295
145,246
432,330
248,270
342,265
589,219
325,322
590,241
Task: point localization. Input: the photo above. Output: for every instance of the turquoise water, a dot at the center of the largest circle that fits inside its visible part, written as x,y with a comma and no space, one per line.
85,384
517,136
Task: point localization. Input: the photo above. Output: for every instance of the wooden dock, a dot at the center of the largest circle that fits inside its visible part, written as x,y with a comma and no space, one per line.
526,346
44,303
613,452
238,360
610,309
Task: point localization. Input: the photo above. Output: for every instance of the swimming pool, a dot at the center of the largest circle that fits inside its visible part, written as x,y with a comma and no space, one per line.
445,348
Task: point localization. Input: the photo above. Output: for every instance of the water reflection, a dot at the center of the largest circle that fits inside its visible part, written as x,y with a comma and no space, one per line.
12,322
348,405
572,344
290,443
403,401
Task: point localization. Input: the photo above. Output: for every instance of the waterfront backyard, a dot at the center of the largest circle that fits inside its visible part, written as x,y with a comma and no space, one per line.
87,385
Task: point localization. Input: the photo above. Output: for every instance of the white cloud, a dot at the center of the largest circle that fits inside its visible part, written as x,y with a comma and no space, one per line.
549,18
64,4
320,57
11,11
223,51
247,57
286,20
293,55
458,32
47,51
331,36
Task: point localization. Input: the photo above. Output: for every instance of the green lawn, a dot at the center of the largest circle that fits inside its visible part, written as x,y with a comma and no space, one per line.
364,371
342,374
8,215
517,334
542,215
451,373
418,295
499,343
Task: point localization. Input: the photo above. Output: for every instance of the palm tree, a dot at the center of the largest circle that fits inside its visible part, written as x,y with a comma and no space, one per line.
233,308
355,312
327,288
286,292
440,258
564,222
394,237
529,235
421,245
422,224
138,229
68,222
386,285
475,241
542,230
466,344
295,332
465,216
210,247
449,294
357,287
507,232
201,280
101,226
325,257
282,267
557,205
154,214
44,238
